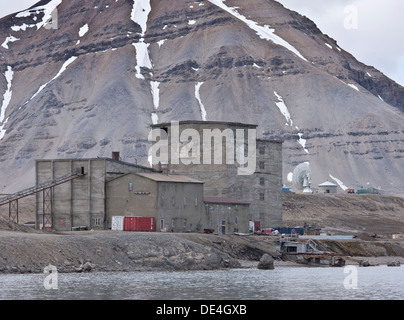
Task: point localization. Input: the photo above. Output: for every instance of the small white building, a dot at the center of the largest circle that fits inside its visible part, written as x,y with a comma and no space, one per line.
327,187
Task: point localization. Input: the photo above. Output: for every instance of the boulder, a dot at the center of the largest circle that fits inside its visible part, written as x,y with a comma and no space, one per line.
394,264
266,263
364,263
87,267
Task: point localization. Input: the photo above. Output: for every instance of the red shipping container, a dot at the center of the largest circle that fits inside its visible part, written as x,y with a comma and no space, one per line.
140,224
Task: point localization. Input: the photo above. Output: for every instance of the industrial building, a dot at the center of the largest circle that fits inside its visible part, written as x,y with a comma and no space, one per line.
328,187
88,193
174,201
78,202
262,188
228,215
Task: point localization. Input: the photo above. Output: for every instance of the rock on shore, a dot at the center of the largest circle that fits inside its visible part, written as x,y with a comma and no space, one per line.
266,262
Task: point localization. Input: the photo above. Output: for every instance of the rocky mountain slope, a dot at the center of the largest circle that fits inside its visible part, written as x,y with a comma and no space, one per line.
346,213
90,78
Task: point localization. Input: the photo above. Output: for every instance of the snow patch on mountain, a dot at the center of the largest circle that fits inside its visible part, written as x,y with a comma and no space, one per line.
155,91
8,40
340,183
83,30
140,13
155,118
198,97
62,69
289,122
9,74
23,27
302,142
284,109
161,42
353,86
46,9
264,32
142,58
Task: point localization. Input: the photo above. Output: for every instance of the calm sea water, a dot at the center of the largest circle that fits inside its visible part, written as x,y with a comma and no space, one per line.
284,283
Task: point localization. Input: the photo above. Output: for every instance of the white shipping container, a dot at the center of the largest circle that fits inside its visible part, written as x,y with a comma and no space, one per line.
117,223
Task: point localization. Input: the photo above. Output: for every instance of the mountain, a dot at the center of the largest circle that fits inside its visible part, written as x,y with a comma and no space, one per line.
85,78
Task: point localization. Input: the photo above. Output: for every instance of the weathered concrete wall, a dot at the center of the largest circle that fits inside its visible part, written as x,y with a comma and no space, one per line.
267,205
80,202
121,201
181,207
213,173
176,206
263,189
228,218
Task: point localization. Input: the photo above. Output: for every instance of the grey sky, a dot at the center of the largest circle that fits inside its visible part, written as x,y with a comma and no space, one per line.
378,40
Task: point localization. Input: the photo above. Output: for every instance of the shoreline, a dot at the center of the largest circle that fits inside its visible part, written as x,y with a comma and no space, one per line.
107,251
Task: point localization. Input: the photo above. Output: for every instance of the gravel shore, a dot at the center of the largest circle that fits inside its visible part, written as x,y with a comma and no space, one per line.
31,252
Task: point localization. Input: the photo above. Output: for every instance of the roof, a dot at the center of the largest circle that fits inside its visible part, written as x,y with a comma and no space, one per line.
223,200
327,184
168,178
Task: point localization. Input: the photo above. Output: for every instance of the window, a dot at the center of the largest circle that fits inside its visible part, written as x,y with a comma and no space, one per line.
262,150
291,249
130,186
185,223
262,181
262,196
262,165
236,220
97,221
172,223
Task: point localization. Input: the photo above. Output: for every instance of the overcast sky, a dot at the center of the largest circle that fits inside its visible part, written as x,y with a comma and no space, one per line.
372,30
376,40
